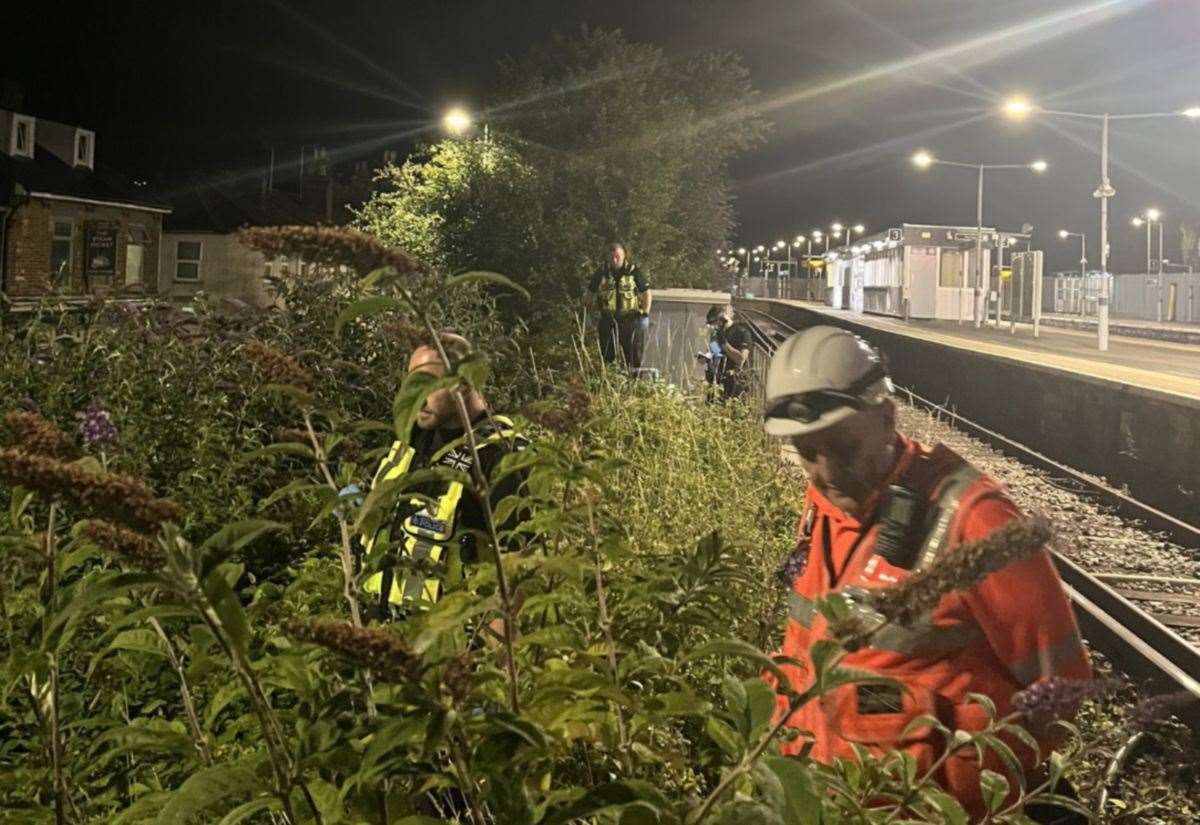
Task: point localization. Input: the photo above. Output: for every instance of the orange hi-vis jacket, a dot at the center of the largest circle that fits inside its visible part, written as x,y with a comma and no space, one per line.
1007,632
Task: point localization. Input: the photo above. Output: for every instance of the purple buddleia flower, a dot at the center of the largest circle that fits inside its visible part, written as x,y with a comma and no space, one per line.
1055,698
96,426
792,567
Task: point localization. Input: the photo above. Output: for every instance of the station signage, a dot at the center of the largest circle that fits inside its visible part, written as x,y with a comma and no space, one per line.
101,247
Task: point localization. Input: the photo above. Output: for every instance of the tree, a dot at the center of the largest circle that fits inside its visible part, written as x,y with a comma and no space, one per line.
593,139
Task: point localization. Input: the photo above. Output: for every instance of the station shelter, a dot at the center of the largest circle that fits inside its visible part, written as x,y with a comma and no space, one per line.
915,271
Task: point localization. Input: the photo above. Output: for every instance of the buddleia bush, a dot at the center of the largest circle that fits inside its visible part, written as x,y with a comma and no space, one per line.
183,632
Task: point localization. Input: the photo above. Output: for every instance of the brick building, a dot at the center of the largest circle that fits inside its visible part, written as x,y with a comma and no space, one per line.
67,227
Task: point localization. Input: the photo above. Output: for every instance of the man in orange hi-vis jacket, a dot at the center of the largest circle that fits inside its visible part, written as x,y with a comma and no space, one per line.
880,507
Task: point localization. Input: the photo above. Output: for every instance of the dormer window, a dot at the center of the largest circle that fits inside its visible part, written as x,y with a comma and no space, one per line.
85,148
21,141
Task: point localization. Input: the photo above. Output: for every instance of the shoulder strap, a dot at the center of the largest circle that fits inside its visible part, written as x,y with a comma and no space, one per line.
943,508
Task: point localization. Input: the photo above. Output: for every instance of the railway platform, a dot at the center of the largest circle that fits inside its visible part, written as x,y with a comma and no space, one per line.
1150,365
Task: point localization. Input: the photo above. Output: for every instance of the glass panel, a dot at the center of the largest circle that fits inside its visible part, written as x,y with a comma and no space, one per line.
185,271
23,138
82,153
62,230
133,264
188,251
60,256
951,270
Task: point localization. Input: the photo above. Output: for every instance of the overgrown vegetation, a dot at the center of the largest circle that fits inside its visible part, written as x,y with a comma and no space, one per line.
183,642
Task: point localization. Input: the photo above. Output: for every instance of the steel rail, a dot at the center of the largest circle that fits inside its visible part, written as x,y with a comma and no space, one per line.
1139,644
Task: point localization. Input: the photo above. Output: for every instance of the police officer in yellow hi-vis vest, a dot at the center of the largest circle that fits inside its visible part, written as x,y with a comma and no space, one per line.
435,542
622,294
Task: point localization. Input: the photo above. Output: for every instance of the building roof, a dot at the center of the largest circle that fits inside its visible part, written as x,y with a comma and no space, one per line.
47,174
226,203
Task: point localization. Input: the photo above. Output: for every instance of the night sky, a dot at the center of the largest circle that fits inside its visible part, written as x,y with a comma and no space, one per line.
852,87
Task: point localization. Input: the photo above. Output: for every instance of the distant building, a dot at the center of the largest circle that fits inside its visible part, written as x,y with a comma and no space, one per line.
203,252
67,226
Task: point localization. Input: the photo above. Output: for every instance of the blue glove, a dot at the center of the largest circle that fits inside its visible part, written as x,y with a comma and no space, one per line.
349,497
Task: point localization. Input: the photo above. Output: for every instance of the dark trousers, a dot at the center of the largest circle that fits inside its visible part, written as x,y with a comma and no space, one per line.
622,336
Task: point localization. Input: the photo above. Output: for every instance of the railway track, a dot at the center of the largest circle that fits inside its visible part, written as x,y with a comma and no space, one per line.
1147,624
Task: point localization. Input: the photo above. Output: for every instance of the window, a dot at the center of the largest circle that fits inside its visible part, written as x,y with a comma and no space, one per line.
951,269
21,140
85,147
135,254
60,250
187,260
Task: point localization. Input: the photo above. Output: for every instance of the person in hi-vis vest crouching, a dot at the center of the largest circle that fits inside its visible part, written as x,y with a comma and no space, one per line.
435,535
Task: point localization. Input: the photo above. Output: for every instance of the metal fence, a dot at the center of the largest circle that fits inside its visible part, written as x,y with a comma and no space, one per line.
1134,296
799,289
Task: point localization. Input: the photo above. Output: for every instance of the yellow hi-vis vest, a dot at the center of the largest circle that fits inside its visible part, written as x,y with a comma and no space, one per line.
426,534
618,291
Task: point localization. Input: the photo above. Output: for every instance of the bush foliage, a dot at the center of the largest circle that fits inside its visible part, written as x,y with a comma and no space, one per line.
183,640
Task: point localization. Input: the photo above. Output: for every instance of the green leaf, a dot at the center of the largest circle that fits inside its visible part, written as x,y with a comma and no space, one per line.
228,608
412,394
480,276
994,789
294,448
206,788
247,809
950,808
89,594
367,307
803,804
739,648
726,737
235,536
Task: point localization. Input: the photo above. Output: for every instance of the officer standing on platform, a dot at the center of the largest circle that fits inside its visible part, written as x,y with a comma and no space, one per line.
881,507
622,294
434,543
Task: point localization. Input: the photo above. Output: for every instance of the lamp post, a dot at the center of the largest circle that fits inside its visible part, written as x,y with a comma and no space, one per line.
1064,234
1020,108
746,252
923,160
1149,219
800,239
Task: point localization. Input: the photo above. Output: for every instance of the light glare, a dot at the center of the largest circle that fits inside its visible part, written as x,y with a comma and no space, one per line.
1018,107
923,160
457,121
1038,166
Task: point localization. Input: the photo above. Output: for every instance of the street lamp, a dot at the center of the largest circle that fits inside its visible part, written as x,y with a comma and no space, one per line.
858,229
1020,108
457,121
744,251
1151,217
818,235
924,160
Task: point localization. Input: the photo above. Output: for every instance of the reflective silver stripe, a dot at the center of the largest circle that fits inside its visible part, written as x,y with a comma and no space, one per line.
924,639
955,484
1049,661
801,609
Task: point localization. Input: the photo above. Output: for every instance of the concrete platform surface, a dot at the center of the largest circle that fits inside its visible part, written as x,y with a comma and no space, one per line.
1160,366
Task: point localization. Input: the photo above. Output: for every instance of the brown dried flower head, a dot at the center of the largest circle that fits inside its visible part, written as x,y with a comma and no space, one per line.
277,367
1158,708
119,498
384,654
458,676
565,413
139,549
328,246
34,434
292,436
961,569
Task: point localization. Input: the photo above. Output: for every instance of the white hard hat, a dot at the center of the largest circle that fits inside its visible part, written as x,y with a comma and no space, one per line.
820,376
